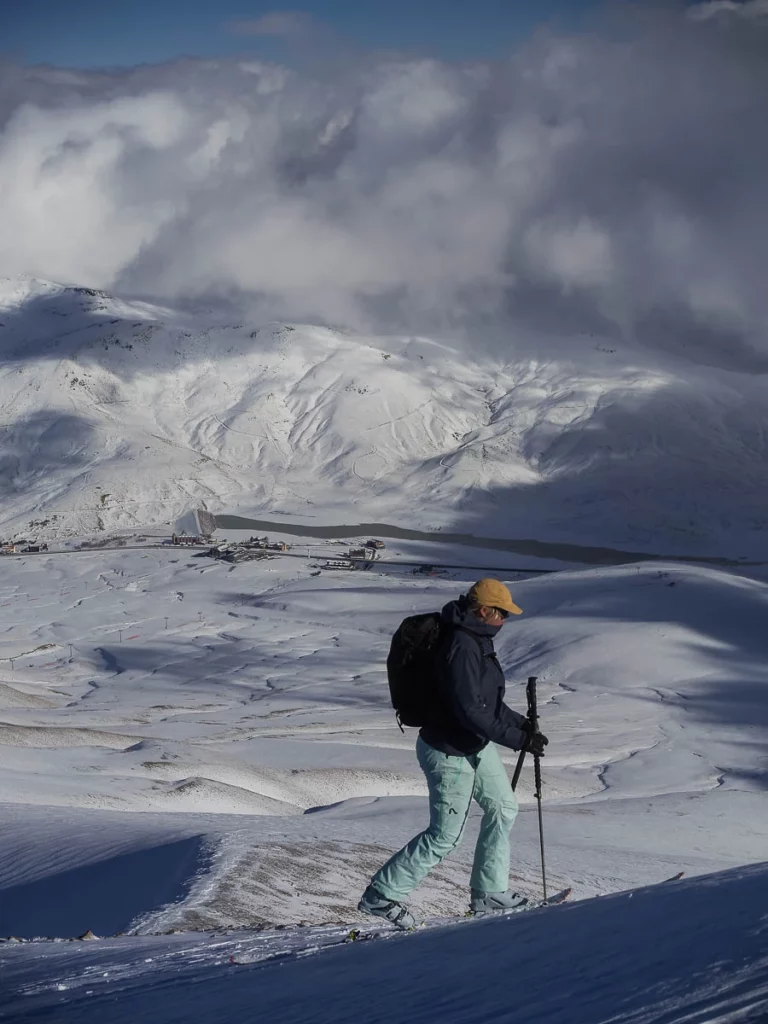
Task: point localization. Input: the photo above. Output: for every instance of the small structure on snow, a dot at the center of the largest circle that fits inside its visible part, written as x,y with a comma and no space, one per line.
339,563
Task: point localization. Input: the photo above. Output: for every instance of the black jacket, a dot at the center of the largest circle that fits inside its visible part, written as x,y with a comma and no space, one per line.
469,709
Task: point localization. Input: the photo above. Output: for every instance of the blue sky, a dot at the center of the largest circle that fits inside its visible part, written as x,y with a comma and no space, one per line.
105,33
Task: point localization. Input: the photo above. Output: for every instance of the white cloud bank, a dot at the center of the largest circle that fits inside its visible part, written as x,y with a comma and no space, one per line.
614,183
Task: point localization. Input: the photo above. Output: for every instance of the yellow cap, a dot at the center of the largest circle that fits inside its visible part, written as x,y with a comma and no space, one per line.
493,594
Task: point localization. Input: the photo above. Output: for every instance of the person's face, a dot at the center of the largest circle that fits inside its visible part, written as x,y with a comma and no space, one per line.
493,616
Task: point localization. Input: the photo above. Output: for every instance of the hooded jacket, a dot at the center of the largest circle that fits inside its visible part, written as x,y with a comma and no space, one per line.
469,709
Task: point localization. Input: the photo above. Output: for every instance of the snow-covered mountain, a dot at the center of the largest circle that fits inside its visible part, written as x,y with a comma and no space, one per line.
119,413
243,711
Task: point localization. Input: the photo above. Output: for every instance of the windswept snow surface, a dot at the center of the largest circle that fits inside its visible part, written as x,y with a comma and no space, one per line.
686,953
118,413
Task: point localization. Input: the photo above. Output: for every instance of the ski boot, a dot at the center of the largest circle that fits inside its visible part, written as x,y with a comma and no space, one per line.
374,903
490,902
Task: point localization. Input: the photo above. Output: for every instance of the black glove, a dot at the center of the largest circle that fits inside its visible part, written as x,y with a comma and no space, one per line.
535,743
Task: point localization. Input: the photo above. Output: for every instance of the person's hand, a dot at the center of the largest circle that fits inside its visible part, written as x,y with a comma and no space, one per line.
535,743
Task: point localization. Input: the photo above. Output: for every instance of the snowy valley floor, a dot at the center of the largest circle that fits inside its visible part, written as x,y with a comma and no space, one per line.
215,752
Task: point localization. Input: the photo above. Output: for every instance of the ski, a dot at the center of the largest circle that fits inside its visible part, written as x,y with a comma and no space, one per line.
550,901
387,931
661,881
335,938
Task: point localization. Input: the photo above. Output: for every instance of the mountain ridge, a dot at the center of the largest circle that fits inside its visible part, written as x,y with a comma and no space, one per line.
121,413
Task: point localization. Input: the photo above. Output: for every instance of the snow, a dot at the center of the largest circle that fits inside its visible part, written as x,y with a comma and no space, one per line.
104,897
682,952
240,768
120,414
202,756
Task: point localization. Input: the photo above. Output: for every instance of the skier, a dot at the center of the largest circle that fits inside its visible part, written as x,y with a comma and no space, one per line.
456,752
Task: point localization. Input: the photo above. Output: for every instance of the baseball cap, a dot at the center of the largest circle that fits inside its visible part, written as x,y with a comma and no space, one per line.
493,594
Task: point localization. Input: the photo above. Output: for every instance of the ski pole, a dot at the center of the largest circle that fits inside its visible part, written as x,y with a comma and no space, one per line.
518,769
533,718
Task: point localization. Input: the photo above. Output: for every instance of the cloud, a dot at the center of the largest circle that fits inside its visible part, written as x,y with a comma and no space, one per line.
613,185
729,8
275,23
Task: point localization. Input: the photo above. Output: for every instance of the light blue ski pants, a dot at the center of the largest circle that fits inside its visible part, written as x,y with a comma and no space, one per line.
453,783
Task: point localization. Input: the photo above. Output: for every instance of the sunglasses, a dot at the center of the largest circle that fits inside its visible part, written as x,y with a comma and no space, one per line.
501,611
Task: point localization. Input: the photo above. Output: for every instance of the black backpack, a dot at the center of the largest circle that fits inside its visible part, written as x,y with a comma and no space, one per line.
411,668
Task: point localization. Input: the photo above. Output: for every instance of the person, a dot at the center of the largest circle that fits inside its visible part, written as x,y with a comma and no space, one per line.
456,750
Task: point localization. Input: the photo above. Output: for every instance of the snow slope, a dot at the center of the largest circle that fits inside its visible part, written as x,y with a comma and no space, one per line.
117,413
246,707
686,953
